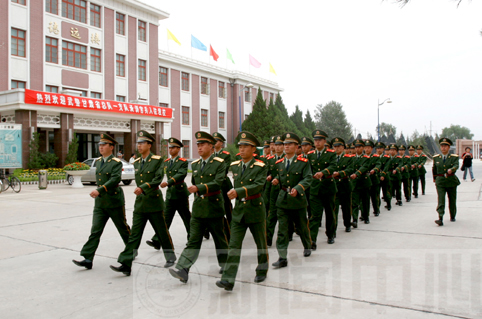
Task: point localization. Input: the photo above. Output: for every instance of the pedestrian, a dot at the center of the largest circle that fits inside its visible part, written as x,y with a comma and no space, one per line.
275,190
467,163
375,167
394,169
385,174
133,158
362,183
421,167
414,160
405,172
120,154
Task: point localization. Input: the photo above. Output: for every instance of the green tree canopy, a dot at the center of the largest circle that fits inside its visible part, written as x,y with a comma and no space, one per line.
386,129
332,119
455,132
309,123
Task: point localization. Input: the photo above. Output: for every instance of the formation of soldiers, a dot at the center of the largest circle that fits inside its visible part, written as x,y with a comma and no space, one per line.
293,184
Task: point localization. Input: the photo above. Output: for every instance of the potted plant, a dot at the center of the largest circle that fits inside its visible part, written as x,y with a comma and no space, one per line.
77,170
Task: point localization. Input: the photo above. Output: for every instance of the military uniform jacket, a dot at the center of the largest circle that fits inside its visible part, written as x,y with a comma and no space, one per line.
375,164
226,156
176,173
299,177
248,184
439,170
271,161
108,178
148,179
394,164
361,165
385,169
422,160
406,163
345,168
414,161
208,181
325,164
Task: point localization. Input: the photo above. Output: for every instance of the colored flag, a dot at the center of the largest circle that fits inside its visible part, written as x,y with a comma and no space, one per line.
195,43
171,36
213,54
271,69
229,56
254,62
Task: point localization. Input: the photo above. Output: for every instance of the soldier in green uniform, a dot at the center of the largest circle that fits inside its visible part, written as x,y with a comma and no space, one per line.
414,160
208,175
375,167
443,170
394,170
421,167
267,186
293,177
148,207
227,185
362,183
249,176
384,175
343,170
177,195
405,172
322,188
109,200
275,190
306,146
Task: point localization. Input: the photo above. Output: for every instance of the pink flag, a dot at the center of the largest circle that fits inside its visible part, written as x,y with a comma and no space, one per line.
254,62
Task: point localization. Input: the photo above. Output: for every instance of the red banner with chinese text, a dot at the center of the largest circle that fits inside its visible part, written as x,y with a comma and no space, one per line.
80,102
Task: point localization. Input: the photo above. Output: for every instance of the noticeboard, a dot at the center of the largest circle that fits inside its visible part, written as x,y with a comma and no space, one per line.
10,145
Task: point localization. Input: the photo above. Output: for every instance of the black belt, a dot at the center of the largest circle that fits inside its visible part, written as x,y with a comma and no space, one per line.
251,197
210,194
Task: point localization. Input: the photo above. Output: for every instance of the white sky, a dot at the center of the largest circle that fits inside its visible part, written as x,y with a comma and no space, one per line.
426,56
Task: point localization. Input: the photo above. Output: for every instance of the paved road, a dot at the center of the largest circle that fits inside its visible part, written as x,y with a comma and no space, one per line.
402,265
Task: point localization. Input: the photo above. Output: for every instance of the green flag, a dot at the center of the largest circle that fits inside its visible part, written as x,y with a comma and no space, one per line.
229,56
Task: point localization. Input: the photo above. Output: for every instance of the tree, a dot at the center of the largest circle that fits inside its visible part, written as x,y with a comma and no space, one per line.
256,121
35,160
455,132
309,123
297,119
287,123
386,129
332,119
72,151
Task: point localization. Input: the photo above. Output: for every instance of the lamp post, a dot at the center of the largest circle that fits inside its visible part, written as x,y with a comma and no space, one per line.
379,104
249,85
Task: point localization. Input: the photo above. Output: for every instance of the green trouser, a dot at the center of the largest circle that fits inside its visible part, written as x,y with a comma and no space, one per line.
386,190
375,197
198,226
414,181
361,203
320,202
452,195
406,187
139,221
397,188
273,213
298,216
343,199
182,207
266,195
238,231
99,220
422,182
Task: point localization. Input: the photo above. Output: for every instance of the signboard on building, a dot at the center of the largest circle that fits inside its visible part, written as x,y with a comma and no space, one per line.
10,145
79,102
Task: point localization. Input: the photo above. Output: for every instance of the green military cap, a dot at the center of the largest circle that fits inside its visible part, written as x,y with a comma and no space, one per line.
419,147
402,148
271,140
306,141
291,138
380,145
352,146
319,134
394,147
387,148
411,147
369,143
219,137
247,138
144,136
175,142
445,141
278,139
203,137
337,141
266,144
359,143
107,139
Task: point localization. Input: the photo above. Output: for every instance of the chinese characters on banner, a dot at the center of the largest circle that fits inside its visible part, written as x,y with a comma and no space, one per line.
79,102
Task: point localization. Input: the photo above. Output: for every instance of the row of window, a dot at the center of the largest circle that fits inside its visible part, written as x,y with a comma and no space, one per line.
204,117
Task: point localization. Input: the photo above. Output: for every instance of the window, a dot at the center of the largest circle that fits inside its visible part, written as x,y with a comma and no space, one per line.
75,10
185,115
18,42
221,120
204,117
185,81
120,65
20,1
74,55
141,32
163,105
162,76
18,84
185,149
142,70
95,15
51,6
119,23
51,89
222,90
120,98
94,59
82,93
95,95
247,95
51,50
204,86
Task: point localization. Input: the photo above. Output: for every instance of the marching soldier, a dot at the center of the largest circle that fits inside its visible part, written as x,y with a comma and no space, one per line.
421,167
267,186
384,175
293,176
394,169
177,195
375,167
306,146
275,190
322,188
227,185
109,200
405,172
208,174
414,160
362,184
249,177
149,205
444,167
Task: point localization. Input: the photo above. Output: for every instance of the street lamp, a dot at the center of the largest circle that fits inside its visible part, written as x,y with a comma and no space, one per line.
249,85
379,104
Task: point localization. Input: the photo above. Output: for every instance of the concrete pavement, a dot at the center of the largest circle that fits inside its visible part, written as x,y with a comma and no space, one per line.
402,265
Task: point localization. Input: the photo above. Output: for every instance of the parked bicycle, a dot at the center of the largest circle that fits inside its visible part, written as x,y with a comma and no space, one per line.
9,181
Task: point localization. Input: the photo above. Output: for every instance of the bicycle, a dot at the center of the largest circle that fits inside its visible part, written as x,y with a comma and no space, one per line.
12,181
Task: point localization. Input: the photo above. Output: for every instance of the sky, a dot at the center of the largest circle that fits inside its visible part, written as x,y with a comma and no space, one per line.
426,56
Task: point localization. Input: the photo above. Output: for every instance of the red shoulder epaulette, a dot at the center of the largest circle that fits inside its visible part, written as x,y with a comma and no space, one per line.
366,156
311,152
279,161
330,150
386,155
398,156
424,155
167,159
262,156
225,152
182,159
376,155
417,156
406,156
238,154
302,159
258,160
270,157
254,154
347,155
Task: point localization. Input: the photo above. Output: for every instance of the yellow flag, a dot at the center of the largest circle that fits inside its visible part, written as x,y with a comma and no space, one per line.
171,36
271,69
